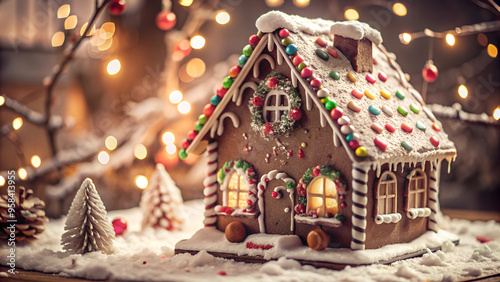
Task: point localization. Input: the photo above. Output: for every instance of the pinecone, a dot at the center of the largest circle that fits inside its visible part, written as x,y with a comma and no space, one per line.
29,216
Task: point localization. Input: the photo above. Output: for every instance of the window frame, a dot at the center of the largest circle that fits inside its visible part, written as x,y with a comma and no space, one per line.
386,196
413,178
227,189
276,108
323,195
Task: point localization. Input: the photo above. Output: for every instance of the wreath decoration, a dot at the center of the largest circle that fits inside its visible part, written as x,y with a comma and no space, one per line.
306,179
286,123
249,173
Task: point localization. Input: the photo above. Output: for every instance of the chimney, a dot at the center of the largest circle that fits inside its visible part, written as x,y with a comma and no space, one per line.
354,39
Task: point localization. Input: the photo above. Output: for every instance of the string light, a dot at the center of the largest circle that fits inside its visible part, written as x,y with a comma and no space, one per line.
70,22
111,143
351,14
2,100
2,181
175,97
222,17
107,30
63,11
171,149
274,3
17,123
23,174
399,9
197,42
492,50
113,67
482,39
462,91
185,3
450,39
103,157
405,38
301,3
195,67
496,113
141,181
36,161
184,107
140,152
168,138
57,39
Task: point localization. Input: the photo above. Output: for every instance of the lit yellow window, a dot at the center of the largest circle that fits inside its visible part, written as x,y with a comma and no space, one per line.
322,197
417,190
237,191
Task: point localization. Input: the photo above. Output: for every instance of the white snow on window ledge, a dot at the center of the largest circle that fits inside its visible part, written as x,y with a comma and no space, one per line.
418,212
332,222
388,218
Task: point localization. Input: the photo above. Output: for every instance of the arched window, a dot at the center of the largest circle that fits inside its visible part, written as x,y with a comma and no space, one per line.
417,189
236,193
386,194
322,197
275,105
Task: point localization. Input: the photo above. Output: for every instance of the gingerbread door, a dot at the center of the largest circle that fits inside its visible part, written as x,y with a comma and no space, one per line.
278,213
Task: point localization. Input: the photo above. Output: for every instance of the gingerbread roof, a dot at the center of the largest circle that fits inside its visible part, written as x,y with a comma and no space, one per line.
378,117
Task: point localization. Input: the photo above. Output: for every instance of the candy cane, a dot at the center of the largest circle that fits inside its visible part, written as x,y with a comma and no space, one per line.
211,185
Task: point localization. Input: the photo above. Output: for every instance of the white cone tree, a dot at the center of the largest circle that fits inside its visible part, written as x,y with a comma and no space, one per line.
161,202
88,228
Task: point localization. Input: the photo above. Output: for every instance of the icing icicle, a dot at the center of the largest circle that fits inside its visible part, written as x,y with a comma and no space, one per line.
211,185
359,201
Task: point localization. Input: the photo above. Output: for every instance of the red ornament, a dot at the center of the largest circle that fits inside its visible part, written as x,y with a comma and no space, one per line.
257,101
297,60
254,40
272,82
430,72
234,71
284,33
296,114
221,92
267,128
208,110
192,134
117,7
119,225
166,20
183,47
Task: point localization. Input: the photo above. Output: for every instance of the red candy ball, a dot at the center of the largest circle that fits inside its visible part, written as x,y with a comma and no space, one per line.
221,92
337,113
119,225
117,7
208,110
430,72
272,82
316,82
234,71
296,113
166,20
185,144
192,134
275,194
297,60
284,33
257,101
306,72
268,128
254,40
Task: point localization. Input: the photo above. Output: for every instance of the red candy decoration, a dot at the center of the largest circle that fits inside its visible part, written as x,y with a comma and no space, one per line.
306,72
321,42
208,110
370,78
234,71
296,113
380,143
119,225
406,127
316,171
316,82
297,60
337,113
192,134
117,7
382,76
483,239
300,208
254,40
268,128
222,273
257,101
430,72
434,141
284,33
301,154
275,194
356,93
272,82
221,92
185,144
166,20
390,128
333,53
354,144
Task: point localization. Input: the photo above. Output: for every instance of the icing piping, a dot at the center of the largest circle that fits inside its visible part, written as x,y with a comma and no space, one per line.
294,79
210,183
433,199
234,118
213,129
270,44
418,212
359,199
274,174
250,84
256,66
388,218
322,120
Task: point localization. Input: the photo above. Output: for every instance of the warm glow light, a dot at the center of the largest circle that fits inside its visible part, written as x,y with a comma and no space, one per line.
405,38
175,97
197,42
17,123
184,107
399,9
90,33
111,143
186,3
351,14
222,17
140,152
107,30
492,50
106,45
450,39
301,3
195,67
96,40
23,174
168,138
114,67
36,161
274,3
63,11
103,157
496,113
171,149
141,181
70,22
2,100
462,91
2,181
58,39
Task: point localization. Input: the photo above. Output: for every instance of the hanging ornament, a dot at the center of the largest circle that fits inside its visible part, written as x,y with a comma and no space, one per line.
183,47
119,225
117,7
166,20
430,71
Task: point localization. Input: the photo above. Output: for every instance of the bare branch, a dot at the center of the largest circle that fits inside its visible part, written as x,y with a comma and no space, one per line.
32,116
455,112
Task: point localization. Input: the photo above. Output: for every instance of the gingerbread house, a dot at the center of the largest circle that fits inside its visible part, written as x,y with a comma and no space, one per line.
318,130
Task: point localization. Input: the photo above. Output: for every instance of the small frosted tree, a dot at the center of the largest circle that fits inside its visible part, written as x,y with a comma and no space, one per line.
161,202
87,226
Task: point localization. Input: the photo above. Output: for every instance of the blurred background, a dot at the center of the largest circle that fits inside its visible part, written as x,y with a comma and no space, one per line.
141,72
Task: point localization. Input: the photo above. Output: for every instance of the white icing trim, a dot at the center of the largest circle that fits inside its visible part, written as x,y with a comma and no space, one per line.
322,120
256,66
359,201
211,185
356,30
234,118
274,174
276,108
332,222
270,44
418,212
388,218
238,97
278,190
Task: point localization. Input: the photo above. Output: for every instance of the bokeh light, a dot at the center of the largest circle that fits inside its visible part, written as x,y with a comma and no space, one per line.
111,143
351,14
17,123
195,67
114,67
197,42
36,161
141,181
399,9
462,91
58,39
222,17
184,107
103,157
175,97
450,39
140,152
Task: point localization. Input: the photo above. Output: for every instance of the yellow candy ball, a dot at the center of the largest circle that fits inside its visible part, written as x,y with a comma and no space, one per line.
361,152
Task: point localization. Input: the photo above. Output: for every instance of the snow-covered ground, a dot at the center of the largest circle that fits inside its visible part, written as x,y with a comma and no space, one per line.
148,255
